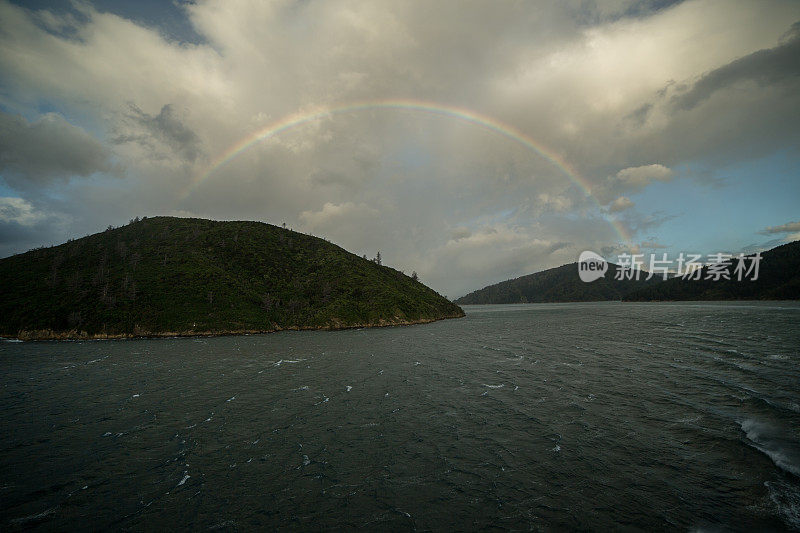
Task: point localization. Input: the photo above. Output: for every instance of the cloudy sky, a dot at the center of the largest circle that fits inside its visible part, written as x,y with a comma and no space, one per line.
488,139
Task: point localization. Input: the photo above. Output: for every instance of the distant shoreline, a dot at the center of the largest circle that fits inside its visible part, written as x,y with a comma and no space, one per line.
731,300
73,335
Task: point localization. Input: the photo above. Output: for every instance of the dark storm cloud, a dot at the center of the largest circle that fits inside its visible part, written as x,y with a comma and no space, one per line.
164,128
47,149
764,67
14,233
556,246
593,12
639,116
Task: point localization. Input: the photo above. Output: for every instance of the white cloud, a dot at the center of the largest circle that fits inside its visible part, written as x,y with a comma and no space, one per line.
791,231
620,204
18,210
789,227
108,62
554,202
492,254
638,177
332,216
630,180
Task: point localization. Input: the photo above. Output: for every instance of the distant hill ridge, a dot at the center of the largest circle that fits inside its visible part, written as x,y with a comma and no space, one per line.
779,279
559,284
179,276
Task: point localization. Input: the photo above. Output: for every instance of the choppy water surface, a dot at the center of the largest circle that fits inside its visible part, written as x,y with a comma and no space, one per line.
592,416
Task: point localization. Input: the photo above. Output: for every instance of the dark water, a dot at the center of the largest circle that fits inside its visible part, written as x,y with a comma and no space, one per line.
574,416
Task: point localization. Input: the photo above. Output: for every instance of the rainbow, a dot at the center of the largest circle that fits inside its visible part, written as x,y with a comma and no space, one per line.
465,115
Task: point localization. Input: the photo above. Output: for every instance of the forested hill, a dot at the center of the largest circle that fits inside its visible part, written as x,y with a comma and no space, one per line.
168,276
778,279
560,284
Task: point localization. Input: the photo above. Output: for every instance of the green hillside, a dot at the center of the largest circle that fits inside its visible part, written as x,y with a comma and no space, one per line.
164,276
778,279
560,284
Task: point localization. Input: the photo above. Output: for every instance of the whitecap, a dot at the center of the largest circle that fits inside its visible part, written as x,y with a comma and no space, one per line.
279,363
182,481
495,386
773,443
226,524
33,517
786,498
